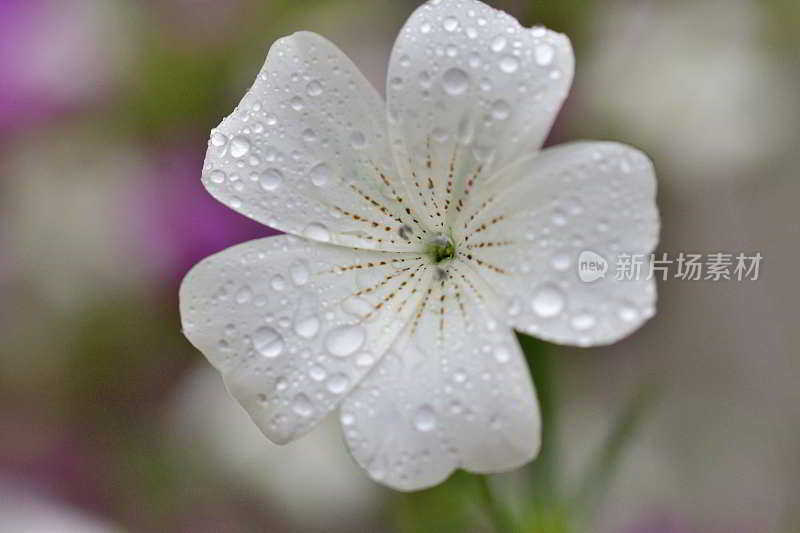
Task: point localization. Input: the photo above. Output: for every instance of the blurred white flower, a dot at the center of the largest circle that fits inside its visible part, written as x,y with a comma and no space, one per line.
204,419
423,230
22,510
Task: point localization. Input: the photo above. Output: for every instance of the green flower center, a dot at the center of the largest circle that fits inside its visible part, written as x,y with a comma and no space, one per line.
440,248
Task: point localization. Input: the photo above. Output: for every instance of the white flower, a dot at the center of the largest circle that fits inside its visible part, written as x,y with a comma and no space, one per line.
419,238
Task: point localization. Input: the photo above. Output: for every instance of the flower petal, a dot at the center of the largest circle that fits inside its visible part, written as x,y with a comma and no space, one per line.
306,151
469,91
525,234
454,391
294,325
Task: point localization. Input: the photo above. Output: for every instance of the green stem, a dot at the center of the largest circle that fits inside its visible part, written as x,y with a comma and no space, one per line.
544,470
499,515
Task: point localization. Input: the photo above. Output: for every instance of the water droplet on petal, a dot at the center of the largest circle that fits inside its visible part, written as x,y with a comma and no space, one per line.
218,139
583,321
498,44
509,64
338,383
450,24
548,301
561,262
277,282
240,146
244,295
456,81
317,373
544,54
357,306
299,273
309,135
358,140
314,88
501,110
425,419
307,327
320,174
502,354
268,342
217,176
302,405
365,359
271,179
628,313
317,232
345,340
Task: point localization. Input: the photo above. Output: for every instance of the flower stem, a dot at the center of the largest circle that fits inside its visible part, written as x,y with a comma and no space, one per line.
499,515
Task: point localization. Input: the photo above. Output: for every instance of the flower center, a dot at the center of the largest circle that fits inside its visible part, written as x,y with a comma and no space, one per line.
440,248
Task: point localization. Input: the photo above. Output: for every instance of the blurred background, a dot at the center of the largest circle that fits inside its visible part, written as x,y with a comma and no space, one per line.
111,422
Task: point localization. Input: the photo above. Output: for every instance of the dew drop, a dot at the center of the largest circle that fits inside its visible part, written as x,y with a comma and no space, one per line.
501,110
561,262
320,175
583,321
544,54
456,81
450,24
502,354
425,419
218,139
244,295
268,342
345,340
240,146
357,140
307,327
357,306
365,359
314,88
302,405
498,44
628,313
277,282
338,383
309,135
509,64
217,176
548,301
299,273
296,103
317,373
271,179
317,232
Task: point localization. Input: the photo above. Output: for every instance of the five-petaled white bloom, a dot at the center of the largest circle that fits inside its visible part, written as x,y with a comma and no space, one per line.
421,232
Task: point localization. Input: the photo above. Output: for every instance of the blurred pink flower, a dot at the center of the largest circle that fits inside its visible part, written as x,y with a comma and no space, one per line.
177,222
56,55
